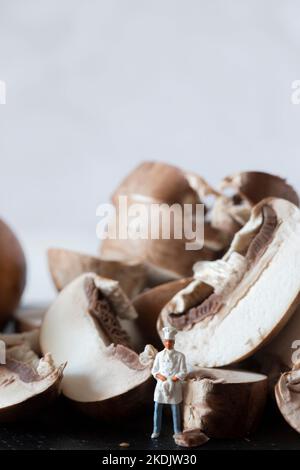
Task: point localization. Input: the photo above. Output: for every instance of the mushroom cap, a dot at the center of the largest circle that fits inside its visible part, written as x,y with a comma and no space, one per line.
287,397
27,383
147,183
211,397
160,183
66,265
231,212
12,272
256,185
149,305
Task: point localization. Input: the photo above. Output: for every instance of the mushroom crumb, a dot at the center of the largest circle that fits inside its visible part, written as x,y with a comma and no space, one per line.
124,445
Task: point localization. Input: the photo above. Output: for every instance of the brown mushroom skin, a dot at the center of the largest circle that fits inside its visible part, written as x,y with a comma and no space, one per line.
250,187
224,410
173,256
156,182
66,265
12,272
149,305
150,178
257,185
287,397
217,424
118,408
27,409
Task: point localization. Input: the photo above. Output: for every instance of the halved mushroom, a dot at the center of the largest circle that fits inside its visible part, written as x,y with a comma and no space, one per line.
231,212
281,353
287,393
66,265
12,272
85,326
27,383
236,304
159,183
223,403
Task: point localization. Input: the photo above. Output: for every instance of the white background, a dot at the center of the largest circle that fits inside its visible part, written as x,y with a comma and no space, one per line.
94,87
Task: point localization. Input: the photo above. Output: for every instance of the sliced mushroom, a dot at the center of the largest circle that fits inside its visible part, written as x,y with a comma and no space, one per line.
29,318
27,383
256,185
236,304
149,305
287,393
12,272
281,353
85,327
223,403
231,212
159,183
66,265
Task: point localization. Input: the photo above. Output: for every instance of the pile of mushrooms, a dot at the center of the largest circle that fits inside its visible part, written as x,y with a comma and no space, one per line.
236,298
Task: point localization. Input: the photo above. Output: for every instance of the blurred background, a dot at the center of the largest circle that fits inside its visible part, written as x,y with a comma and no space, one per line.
95,87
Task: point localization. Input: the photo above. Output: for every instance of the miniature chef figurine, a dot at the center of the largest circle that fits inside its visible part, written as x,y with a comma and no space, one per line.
169,369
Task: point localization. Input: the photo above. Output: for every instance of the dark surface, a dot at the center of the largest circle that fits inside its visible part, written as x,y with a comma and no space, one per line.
61,428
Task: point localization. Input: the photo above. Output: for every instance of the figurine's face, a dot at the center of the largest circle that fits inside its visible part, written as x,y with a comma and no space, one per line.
169,344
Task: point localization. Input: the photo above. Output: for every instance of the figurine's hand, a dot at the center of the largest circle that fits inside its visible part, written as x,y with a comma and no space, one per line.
175,379
161,377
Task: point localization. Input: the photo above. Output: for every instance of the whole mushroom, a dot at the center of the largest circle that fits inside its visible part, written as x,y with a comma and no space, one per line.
12,272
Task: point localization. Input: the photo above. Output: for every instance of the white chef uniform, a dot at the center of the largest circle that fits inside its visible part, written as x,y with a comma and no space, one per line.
169,363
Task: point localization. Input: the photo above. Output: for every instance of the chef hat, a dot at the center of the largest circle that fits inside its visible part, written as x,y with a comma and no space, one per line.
169,333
